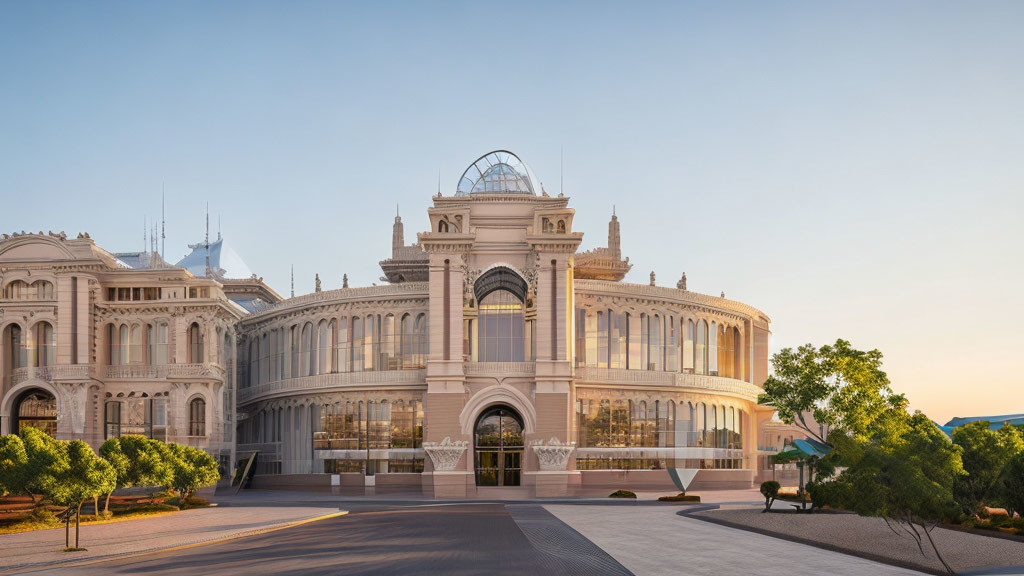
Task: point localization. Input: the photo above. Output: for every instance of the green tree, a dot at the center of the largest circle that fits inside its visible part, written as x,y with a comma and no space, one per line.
986,453
907,480
192,469
81,476
45,458
843,389
1011,486
138,461
13,461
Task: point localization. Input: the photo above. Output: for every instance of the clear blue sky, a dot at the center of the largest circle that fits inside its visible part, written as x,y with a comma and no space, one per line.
853,169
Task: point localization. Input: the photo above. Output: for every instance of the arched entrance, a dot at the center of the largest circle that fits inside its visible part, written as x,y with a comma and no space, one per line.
37,408
498,447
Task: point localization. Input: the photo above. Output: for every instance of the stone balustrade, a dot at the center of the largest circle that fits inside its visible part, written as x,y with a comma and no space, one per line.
500,368
321,382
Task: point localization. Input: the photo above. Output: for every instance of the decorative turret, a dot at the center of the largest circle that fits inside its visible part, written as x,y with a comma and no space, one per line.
604,263
407,263
613,236
397,235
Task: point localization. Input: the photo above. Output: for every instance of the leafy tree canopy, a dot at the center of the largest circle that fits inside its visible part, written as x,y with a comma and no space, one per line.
84,476
192,469
12,465
844,389
986,454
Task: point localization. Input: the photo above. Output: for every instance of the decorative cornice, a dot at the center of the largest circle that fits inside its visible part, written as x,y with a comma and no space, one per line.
668,295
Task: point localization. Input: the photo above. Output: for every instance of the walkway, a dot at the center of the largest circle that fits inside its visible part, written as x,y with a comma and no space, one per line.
655,540
42,547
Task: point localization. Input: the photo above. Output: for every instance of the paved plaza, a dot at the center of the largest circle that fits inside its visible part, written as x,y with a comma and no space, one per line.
405,536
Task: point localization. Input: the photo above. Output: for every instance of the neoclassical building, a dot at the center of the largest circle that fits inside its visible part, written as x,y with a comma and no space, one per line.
498,354
494,353
94,345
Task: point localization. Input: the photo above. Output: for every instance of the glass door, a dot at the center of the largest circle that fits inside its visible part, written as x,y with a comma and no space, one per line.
498,443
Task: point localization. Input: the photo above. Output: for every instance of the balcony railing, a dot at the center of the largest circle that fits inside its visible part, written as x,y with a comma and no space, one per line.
333,380
502,368
164,371
50,373
718,384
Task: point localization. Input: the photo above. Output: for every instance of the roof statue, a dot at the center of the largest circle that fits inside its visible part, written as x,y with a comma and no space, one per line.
652,278
344,280
317,282
682,282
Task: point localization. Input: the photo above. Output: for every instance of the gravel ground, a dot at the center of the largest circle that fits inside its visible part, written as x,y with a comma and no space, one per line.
871,537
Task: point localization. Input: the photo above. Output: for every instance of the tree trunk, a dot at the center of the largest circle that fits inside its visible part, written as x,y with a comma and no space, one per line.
106,505
78,518
67,528
936,549
96,506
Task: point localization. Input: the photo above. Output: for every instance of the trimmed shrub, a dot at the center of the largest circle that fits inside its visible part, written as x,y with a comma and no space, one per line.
770,491
622,494
681,497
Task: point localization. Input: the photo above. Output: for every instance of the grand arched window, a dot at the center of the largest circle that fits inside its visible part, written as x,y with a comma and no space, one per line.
502,328
197,417
38,409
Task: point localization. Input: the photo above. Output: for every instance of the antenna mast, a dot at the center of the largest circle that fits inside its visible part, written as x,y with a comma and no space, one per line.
207,239
163,221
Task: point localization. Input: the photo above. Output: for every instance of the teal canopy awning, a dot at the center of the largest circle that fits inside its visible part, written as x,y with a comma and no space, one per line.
806,449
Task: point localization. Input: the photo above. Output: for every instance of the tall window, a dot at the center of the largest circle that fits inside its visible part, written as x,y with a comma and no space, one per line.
18,354
124,345
46,344
322,347
388,361
157,336
617,340
197,417
254,362
341,353
700,348
357,344
414,341
195,344
688,345
306,350
502,327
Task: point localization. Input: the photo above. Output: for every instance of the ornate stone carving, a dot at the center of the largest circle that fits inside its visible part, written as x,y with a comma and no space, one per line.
554,456
445,454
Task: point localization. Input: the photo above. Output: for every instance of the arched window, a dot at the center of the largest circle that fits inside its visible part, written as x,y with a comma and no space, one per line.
137,354
254,362
123,343
18,355
672,345
501,327
264,358
654,361
357,344
322,347
341,358
293,352
197,417
332,346
442,226
712,353
306,350
546,226
41,290
388,361
46,344
700,348
15,290
195,344
688,347
561,226
158,344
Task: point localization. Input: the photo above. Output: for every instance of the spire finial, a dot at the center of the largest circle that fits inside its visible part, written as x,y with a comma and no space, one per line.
145,241
438,181
293,280
561,171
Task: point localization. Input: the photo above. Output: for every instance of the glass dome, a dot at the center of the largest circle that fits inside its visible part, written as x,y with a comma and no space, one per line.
498,172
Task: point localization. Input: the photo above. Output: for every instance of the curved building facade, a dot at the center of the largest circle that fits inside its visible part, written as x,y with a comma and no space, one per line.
498,354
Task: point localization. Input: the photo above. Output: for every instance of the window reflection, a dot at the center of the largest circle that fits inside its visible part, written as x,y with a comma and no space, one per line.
501,328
